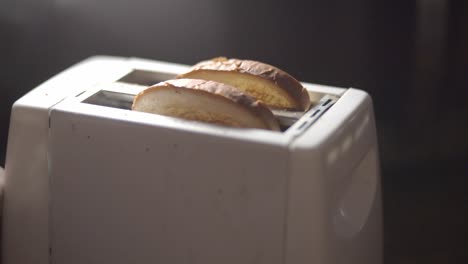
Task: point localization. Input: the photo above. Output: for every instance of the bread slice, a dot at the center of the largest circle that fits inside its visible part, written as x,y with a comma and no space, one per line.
205,101
272,86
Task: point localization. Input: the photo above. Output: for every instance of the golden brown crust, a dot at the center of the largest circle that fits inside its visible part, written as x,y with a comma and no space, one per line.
220,91
265,71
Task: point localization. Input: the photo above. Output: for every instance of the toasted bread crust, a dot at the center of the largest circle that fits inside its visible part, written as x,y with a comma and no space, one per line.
218,91
293,88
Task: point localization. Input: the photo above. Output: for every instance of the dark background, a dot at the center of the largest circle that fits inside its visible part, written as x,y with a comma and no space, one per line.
411,56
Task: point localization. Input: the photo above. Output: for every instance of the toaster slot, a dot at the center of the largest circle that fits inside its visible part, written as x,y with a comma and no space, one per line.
111,99
120,95
147,78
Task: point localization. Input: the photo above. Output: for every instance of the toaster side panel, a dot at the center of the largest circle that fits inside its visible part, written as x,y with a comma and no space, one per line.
25,237
338,159
25,233
124,192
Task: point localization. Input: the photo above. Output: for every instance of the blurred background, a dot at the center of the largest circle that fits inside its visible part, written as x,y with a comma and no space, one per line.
410,55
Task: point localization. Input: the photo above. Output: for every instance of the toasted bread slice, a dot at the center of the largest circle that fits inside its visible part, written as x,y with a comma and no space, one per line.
274,87
205,101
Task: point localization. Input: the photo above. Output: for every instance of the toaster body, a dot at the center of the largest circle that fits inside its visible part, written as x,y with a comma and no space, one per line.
88,181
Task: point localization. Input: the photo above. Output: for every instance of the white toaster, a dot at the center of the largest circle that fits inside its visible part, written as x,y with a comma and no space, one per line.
89,181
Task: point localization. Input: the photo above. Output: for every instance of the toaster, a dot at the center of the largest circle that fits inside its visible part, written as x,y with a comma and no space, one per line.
90,181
